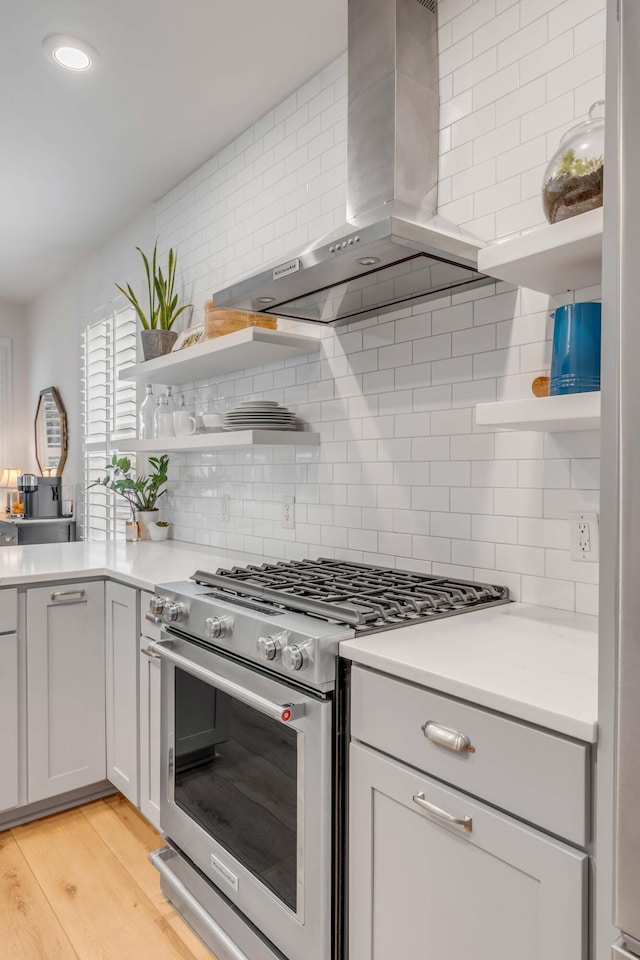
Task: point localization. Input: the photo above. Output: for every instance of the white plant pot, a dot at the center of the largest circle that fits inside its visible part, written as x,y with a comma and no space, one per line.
158,533
146,518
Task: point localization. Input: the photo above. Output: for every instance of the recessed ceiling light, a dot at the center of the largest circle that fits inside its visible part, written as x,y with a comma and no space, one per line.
70,53
266,299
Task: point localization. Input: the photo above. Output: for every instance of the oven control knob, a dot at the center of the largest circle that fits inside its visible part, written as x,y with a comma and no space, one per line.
294,657
172,611
156,605
269,648
218,627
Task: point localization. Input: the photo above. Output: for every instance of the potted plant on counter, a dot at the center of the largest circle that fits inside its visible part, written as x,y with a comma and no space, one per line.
159,530
141,493
163,309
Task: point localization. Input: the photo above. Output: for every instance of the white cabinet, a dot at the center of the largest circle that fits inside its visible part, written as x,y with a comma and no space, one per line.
121,624
65,688
422,887
149,719
9,699
437,868
8,720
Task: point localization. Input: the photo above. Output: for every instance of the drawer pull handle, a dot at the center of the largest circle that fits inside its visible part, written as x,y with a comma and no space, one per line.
466,822
446,737
65,594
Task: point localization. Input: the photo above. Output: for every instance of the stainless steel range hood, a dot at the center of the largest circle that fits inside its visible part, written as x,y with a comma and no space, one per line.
394,250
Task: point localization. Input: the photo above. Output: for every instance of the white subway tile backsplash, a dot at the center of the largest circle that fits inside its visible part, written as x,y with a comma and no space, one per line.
450,474
495,529
587,598
549,593
403,476
520,502
572,14
494,473
523,559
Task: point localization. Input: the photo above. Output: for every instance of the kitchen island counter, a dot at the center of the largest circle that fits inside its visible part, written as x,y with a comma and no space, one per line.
534,663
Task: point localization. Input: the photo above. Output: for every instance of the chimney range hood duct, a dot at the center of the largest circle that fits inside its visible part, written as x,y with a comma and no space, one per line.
394,249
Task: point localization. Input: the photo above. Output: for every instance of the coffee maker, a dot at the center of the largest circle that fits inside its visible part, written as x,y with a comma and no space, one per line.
41,496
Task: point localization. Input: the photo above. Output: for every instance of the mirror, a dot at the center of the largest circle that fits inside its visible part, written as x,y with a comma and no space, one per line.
51,433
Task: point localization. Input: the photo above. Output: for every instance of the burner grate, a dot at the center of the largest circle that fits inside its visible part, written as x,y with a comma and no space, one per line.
363,595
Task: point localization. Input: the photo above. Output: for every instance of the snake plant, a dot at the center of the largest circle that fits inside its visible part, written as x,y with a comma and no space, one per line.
162,310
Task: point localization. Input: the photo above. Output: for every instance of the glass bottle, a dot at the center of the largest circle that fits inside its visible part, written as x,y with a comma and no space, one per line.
146,416
171,403
163,419
572,182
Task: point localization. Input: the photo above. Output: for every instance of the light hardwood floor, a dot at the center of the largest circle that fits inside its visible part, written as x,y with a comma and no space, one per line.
78,886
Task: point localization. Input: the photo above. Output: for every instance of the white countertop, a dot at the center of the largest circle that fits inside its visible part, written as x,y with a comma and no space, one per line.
29,521
534,663
141,564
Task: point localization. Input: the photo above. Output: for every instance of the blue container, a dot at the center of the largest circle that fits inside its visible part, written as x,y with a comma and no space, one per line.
575,357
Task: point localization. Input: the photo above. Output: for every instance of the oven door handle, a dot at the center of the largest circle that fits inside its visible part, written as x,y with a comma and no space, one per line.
277,711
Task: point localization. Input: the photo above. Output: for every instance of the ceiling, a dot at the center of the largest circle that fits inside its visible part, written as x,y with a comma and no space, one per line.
82,154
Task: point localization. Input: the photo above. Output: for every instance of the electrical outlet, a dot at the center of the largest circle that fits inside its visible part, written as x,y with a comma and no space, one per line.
288,518
585,540
225,508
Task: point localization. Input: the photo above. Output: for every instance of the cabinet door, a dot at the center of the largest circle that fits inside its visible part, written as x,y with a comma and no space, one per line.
150,737
121,624
422,887
8,721
65,688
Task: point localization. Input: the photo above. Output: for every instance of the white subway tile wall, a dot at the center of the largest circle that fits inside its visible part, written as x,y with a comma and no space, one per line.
403,477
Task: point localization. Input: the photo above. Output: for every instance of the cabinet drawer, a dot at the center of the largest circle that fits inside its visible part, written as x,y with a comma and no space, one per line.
148,630
538,776
8,610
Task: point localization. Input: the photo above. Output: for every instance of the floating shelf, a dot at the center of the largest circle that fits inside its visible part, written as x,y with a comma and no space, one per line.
251,347
575,411
225,441
562,256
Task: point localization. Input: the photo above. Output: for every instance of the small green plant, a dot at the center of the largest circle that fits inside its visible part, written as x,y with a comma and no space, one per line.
141,493
162,310
162,523
573,166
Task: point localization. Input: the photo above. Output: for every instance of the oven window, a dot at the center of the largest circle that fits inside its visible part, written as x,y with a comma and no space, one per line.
236,775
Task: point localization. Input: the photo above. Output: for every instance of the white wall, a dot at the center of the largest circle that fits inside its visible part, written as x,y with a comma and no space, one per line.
402,475
13,326
58,317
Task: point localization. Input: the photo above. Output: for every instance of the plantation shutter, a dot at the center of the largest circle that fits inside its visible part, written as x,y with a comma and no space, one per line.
109,417
5,399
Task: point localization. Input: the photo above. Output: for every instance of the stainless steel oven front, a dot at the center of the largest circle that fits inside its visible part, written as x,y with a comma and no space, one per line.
246,790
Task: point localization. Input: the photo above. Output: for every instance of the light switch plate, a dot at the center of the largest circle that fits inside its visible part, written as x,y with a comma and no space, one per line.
584,537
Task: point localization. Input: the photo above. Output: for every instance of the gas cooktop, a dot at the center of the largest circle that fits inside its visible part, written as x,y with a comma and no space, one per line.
361,595
290,617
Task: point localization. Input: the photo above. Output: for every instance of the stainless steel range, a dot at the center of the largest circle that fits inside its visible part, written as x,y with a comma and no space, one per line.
253,741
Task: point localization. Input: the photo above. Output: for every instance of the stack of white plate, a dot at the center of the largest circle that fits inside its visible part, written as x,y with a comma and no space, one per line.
260,415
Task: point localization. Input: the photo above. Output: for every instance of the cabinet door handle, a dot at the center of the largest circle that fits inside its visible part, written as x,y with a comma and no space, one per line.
466,822
63,594
446,737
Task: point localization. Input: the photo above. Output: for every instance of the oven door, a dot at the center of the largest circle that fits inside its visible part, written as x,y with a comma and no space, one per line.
246,784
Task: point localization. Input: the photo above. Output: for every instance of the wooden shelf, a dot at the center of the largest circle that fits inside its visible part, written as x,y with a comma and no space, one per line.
226,440
575,411
562,256
252,347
